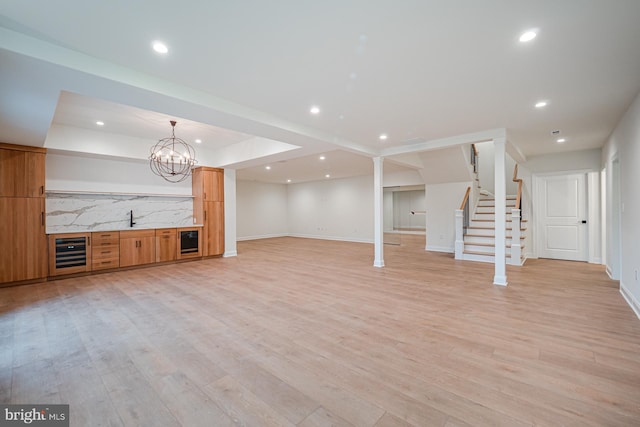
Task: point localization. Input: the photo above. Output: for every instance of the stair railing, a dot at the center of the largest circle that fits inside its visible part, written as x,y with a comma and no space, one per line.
462,223
516,219
474,158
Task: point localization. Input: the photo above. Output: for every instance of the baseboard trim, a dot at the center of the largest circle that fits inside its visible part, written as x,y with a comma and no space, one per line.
230,254
446,249
630,299
262,236
609,272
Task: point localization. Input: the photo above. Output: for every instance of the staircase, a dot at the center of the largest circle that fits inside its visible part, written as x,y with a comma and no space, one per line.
479,236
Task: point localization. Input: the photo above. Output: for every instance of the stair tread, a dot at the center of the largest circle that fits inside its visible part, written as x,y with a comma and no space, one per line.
491,245
476,227
493,220
489,235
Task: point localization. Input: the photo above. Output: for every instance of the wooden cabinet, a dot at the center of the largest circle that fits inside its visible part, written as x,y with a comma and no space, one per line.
105,250
166,244
137,247
69,253
23,246
213,228
208,208
21,171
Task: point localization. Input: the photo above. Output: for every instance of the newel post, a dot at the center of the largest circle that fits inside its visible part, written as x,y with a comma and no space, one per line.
459,246
516,248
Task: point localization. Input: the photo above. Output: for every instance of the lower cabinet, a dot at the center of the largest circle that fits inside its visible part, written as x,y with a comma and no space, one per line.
166,244
23,246
137,247
69,253
105,250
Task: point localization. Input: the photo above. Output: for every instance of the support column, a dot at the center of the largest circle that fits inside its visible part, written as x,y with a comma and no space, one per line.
378,237
500,276
230,248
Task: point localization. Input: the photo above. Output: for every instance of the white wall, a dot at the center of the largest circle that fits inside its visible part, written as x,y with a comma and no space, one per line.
486,169
624,146
104,174
442,200
340,209
261,210
584,160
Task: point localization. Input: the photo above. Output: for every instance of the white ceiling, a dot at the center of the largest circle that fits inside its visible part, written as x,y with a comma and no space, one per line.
417,70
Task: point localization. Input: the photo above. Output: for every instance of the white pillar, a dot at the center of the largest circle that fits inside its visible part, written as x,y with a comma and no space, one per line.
459,245
230,248
500,275
378,237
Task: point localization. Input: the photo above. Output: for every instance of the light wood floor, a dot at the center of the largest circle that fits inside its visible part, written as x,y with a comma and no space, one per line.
307,333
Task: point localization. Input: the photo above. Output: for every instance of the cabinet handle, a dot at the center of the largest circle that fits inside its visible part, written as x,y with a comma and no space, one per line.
105,262
42,218
106,252
205,216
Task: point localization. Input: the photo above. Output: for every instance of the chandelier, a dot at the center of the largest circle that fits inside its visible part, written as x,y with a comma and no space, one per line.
172,158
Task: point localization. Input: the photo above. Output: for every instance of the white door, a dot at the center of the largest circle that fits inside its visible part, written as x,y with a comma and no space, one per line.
562,217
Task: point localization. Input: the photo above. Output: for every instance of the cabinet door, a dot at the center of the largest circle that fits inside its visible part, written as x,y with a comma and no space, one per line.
137,250
166,245
23,247
21,173
213,185
213,228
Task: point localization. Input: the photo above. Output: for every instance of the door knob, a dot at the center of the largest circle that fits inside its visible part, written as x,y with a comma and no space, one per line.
584,221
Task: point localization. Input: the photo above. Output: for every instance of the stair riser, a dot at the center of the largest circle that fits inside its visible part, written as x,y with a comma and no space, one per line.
479,248
490,209
485,239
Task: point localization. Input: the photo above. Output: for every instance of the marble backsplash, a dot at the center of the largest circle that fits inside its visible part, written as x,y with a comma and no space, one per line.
70,213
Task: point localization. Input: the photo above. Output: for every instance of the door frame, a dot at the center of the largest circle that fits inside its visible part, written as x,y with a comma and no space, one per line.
593,194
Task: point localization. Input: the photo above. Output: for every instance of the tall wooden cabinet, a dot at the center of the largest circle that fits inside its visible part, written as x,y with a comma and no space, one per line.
208,208
23,246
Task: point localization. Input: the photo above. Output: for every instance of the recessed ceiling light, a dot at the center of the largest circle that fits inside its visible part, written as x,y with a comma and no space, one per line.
322,157
314,110
541,104
100,123
327,176
198,141
160,47
268,168
288,180
561,140
383,137
528,36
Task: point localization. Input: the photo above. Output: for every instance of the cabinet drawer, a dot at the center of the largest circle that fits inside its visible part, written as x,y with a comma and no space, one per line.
166,232
105,238
137,234
105,252
102,264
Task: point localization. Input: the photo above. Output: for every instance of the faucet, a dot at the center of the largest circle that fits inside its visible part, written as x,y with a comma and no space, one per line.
131,223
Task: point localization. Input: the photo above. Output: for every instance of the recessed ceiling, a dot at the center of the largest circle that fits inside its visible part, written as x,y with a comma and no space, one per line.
417,70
